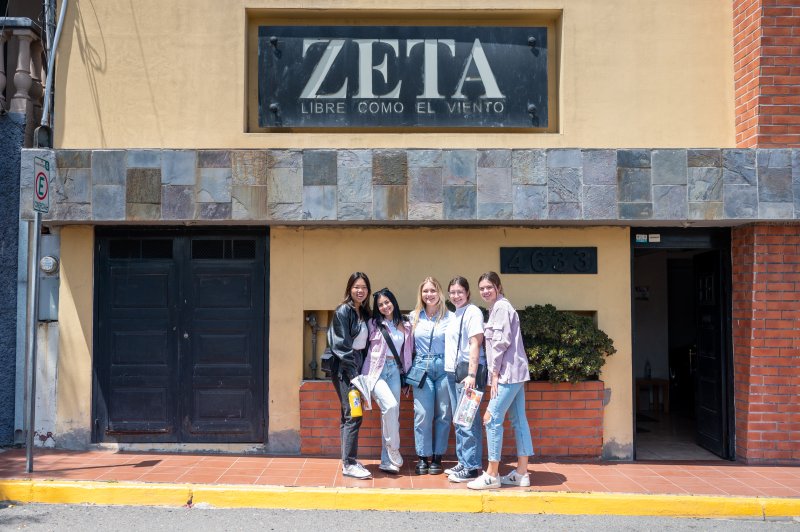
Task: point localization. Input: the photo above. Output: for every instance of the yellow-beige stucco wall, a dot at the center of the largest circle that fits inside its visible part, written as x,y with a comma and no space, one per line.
175,74
75,314
307,273
309,269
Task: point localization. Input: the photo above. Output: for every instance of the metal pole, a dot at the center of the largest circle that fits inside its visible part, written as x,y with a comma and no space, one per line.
51,61
49,25
32,314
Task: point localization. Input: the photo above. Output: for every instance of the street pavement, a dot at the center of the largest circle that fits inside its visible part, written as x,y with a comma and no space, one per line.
58,518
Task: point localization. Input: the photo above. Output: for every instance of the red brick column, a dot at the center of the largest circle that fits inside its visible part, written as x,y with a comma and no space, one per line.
766,342
766,46
564,419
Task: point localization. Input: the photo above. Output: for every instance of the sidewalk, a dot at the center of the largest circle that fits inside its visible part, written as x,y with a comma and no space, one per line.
628,488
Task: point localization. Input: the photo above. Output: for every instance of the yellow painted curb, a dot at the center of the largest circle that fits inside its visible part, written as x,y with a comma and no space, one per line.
526,502
634,504
120,493
340,499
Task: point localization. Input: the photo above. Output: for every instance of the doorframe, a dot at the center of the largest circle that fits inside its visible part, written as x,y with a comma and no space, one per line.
696,239
171,232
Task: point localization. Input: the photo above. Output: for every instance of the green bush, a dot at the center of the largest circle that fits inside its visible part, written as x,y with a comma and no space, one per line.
563,346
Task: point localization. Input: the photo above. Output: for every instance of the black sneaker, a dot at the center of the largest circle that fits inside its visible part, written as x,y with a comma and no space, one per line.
465,475
422,466
455,469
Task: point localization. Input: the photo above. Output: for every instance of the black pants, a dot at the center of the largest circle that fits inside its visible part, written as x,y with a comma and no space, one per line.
349,425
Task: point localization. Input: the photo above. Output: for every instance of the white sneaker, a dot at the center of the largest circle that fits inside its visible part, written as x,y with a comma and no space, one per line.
356,471
484,482
395,457
389,468
455,469
515,479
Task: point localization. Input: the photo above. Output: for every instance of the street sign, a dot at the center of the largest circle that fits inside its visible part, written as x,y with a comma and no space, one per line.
41,185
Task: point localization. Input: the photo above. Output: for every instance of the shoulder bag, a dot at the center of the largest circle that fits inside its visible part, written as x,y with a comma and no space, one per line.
327,361
416,375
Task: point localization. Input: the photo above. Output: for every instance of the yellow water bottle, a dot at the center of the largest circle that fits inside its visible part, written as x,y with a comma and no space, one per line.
355,403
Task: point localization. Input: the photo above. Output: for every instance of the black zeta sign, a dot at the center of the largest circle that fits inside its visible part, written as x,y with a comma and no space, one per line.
548,260
401,76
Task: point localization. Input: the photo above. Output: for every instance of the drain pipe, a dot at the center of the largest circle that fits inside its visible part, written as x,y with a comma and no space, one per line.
46,128
315,329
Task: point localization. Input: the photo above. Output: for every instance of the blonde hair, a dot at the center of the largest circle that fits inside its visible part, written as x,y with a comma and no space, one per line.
441,308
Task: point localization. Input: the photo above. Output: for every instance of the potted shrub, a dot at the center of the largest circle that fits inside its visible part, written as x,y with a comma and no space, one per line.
563,346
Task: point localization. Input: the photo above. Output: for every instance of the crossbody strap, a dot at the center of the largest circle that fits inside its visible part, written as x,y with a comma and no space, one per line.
430,345
392,348
460,328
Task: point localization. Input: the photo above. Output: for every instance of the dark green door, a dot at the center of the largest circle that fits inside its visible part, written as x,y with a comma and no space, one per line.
180,337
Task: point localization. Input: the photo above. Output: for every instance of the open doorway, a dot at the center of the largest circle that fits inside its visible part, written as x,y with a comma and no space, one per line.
682,361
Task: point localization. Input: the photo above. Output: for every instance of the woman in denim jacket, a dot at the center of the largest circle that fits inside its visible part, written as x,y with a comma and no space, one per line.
383,374
432,411
507,363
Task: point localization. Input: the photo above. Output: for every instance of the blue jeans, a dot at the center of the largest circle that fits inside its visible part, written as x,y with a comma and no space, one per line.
469,440
432,410
510,398
386,393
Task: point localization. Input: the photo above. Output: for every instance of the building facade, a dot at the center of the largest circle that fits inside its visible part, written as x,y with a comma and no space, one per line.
211,197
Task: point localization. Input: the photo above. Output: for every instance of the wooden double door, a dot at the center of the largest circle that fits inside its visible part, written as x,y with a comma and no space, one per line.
180,337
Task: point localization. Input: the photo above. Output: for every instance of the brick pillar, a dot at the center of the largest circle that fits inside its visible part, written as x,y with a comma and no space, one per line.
766,47
766,342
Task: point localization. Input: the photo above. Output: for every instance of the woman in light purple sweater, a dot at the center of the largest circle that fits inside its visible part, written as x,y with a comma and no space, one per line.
507,364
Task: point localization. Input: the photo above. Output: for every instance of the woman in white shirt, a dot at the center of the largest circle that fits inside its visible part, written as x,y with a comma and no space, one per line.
464,346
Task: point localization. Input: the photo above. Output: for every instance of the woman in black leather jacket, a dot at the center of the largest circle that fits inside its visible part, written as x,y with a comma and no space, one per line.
347,338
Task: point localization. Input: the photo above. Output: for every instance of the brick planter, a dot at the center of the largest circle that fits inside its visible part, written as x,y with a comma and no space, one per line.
565,420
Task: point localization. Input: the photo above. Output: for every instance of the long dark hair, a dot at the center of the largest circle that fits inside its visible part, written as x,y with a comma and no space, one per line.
363,310
376,314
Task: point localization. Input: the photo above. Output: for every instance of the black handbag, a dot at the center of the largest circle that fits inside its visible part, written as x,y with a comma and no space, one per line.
462,368
416,376
327,362
481,376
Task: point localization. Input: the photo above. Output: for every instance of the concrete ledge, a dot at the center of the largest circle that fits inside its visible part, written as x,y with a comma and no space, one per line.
530,502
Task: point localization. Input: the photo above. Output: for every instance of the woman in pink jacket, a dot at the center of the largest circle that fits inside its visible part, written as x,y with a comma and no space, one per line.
507,364
388,355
